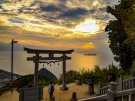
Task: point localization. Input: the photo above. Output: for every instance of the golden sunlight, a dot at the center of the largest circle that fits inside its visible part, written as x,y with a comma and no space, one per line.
88,46
89,26
95,3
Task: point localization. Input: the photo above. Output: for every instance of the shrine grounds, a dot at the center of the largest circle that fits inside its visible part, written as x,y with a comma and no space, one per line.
81,92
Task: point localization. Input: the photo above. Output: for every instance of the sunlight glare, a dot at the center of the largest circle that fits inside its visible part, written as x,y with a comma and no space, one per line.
95,3
89,26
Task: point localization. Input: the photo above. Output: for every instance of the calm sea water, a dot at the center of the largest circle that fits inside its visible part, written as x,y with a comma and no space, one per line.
78,61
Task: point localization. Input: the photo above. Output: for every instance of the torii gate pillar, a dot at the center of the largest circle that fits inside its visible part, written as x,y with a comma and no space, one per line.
36,69
63,86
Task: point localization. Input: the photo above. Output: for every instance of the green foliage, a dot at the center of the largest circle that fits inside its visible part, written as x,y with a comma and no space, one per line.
43,82
59,80
25,80
4,89
83,73
120,43
71,75
100,74
133,65
133,68
121,72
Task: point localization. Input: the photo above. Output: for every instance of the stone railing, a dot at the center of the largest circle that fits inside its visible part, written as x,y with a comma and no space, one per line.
121,85
127,95
112,95
103,90
128,84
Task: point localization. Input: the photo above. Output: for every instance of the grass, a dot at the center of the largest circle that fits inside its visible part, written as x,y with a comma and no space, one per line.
81,92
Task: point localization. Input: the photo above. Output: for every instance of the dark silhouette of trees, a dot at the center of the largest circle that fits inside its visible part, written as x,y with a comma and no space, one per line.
120,38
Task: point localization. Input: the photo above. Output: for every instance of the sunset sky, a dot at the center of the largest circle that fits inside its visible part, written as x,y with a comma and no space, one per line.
55,24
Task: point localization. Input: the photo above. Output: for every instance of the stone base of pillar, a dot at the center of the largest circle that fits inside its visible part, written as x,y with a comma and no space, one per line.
78,83
63,88
91,89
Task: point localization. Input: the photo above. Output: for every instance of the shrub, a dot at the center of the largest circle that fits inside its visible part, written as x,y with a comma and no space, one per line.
100,74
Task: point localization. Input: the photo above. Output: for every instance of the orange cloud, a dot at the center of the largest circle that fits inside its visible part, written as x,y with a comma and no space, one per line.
33,42
88,46
57,45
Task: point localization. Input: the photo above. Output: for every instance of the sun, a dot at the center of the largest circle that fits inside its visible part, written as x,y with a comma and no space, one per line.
88,26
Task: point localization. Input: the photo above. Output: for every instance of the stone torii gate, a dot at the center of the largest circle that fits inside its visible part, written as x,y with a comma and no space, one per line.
36,59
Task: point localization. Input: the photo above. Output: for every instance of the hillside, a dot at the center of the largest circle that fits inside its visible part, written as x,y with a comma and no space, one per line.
42,72
6,72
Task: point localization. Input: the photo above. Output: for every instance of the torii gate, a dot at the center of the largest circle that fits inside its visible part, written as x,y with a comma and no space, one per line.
36,59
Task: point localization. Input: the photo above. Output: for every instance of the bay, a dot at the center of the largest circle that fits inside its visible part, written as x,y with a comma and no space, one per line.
78,61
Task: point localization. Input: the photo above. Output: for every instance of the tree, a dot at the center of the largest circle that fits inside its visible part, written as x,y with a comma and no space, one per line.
130,23
120,37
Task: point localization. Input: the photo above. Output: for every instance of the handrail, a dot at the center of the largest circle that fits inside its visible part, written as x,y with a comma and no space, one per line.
121,85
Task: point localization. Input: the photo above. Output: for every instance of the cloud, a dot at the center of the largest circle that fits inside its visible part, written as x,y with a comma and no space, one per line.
75,13
50,8
111,2
50,23
88,46
102,9
15,21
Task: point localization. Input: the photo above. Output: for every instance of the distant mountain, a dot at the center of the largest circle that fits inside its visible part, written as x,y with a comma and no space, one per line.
6,72
46,73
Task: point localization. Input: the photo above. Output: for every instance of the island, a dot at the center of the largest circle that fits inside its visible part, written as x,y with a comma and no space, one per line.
90,54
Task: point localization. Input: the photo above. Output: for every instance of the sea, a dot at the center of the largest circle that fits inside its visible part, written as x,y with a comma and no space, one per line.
78,62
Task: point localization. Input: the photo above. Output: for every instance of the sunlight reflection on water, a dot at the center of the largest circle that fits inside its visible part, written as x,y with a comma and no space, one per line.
77,62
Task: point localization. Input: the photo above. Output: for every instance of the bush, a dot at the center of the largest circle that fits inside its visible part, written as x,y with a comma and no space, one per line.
100,74
5,88
25,80
71,76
